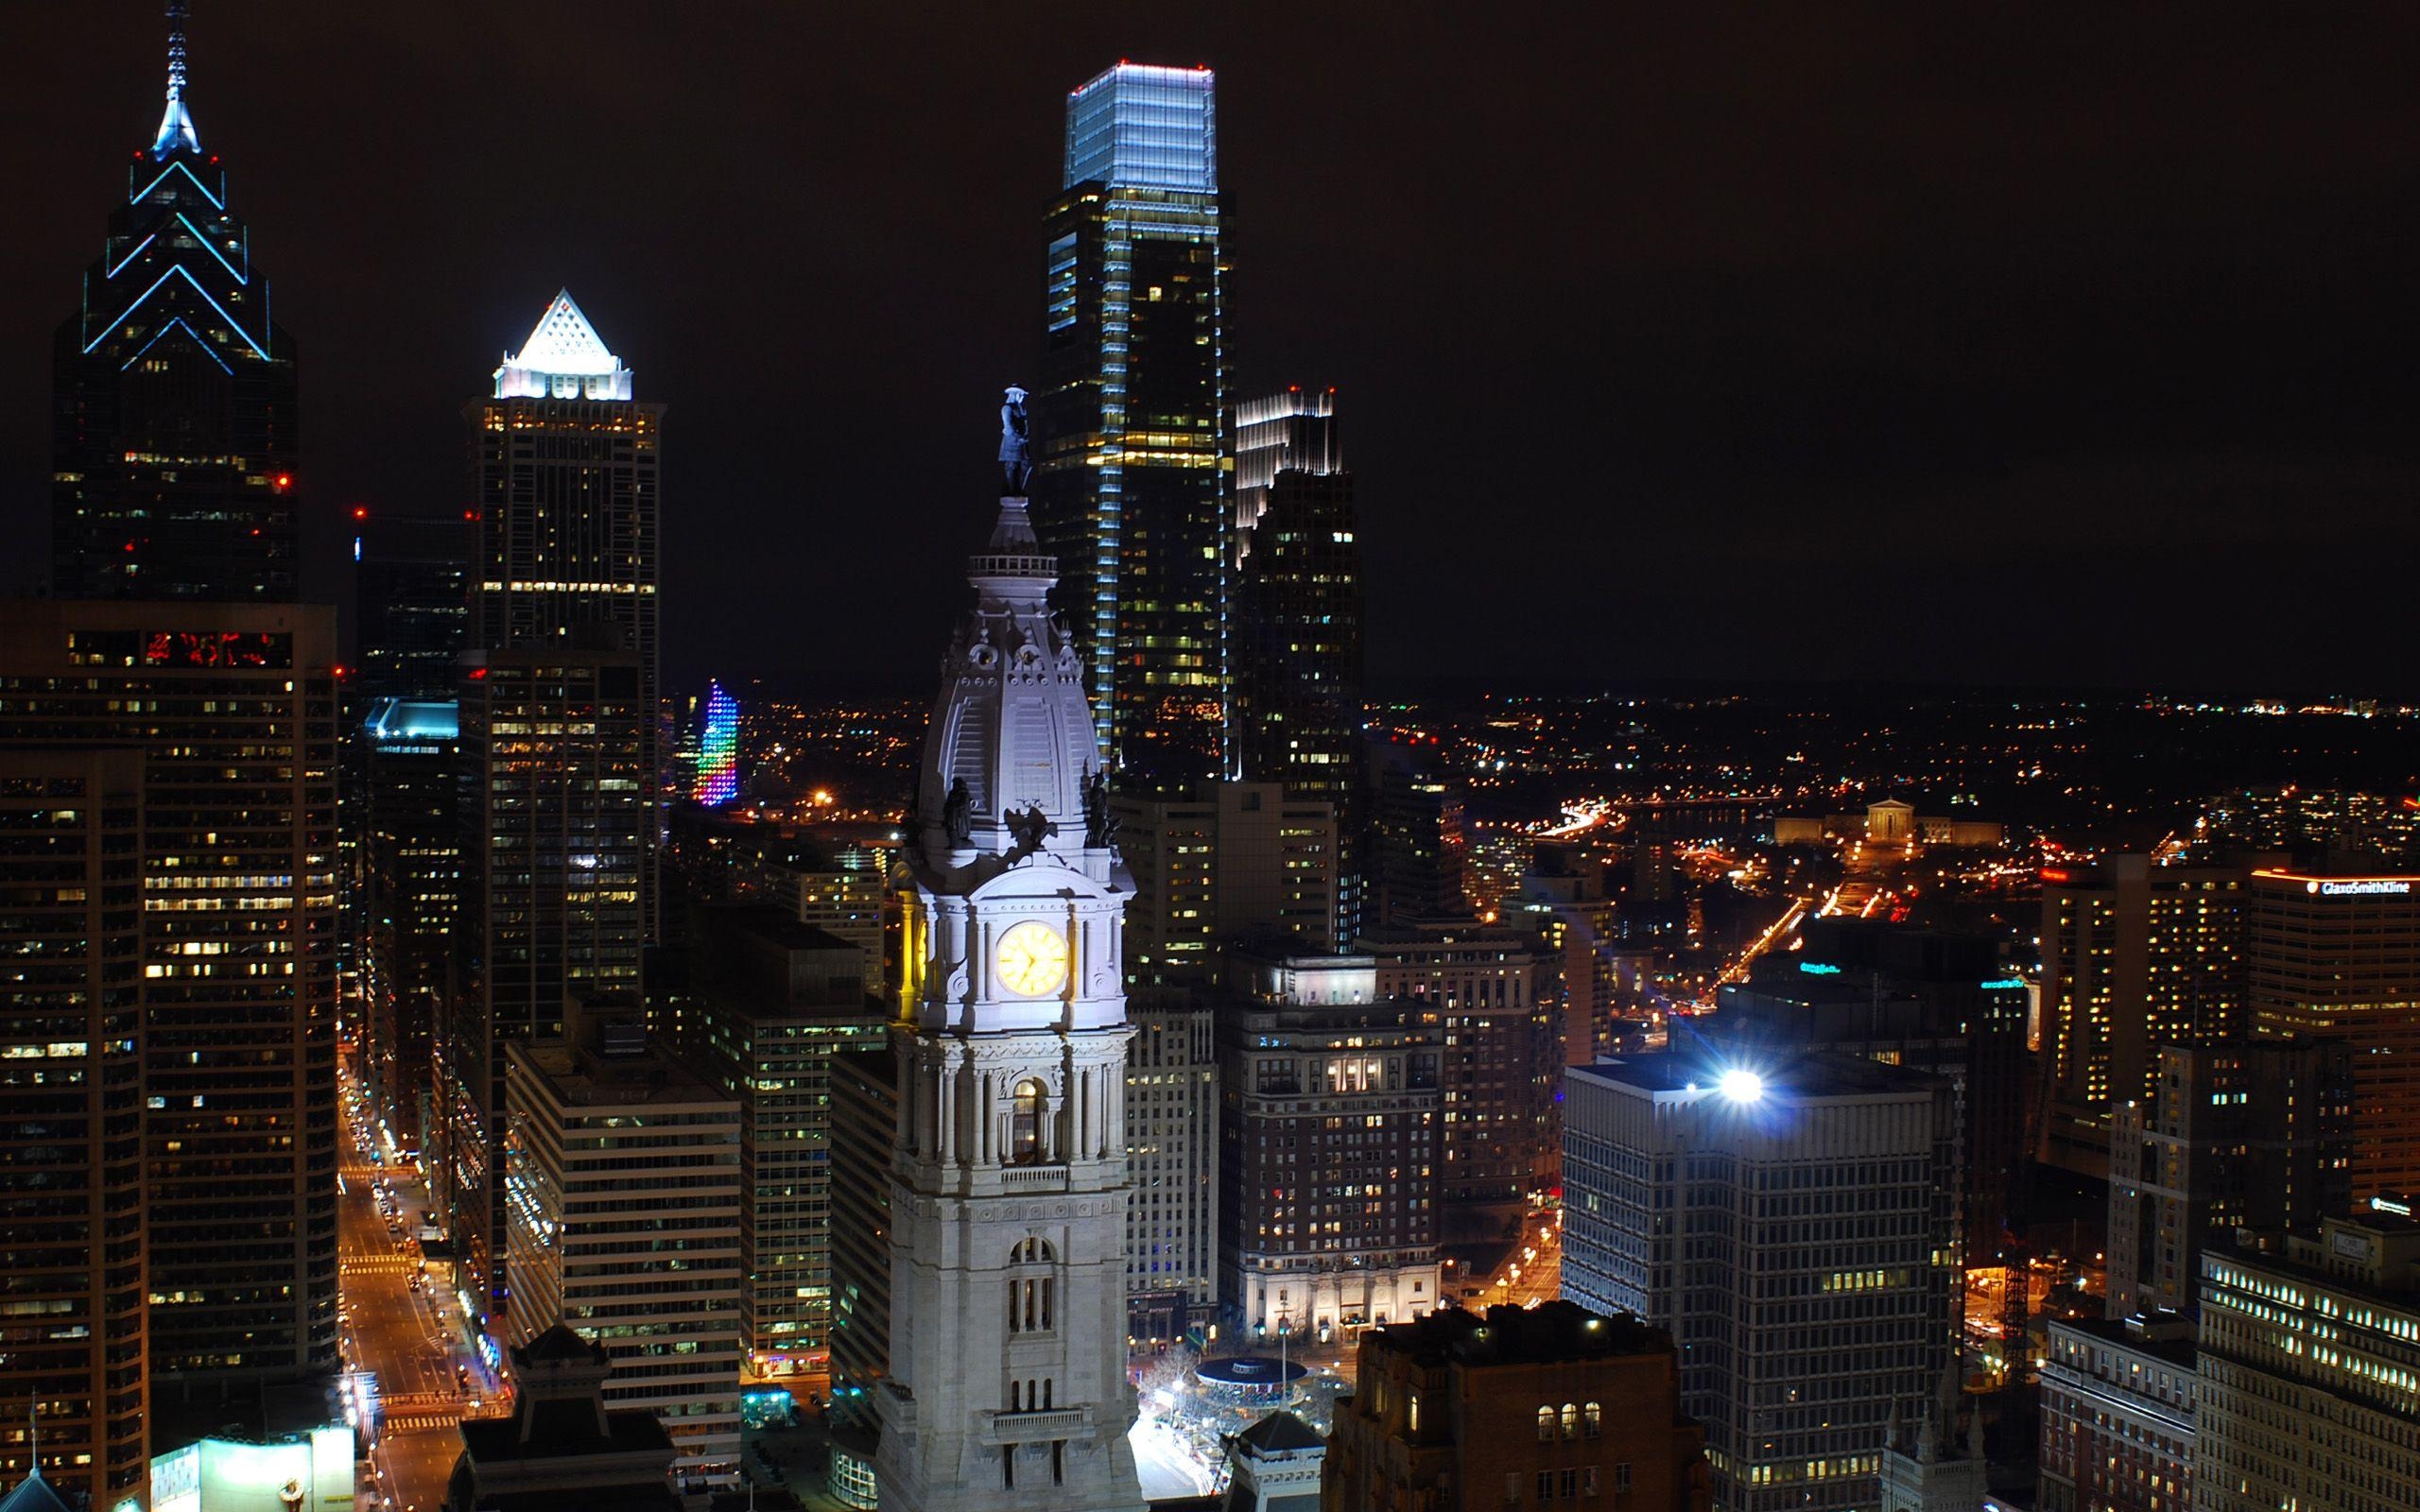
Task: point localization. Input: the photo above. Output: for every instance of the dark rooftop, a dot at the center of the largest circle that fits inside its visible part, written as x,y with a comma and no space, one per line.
1280,1432
1550,1333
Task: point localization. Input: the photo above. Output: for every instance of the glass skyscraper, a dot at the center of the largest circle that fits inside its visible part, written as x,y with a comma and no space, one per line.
1297,626
1131,459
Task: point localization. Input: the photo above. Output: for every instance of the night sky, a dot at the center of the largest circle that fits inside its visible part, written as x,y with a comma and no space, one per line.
2046,344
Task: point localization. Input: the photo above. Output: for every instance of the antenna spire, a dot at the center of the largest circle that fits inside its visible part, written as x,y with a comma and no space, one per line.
176,125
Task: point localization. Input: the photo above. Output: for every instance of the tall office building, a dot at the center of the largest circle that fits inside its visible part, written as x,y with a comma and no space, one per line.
71,1117
778,1002
560,777
1930,999
2133,957
1794,1226
623,1174
234,706
1221,863
1520,1409
865,1136
1328,1151
2308,1362
1008,1340
1488,988
2338,959
556,813
2257,1137
1297,625
1172,1168
566,463
406,807
1131,485
1415,866
173,419
412,590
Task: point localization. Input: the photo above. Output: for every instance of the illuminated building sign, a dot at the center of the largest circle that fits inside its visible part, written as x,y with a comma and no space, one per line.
216,648
2360,886
1818,969
308,1472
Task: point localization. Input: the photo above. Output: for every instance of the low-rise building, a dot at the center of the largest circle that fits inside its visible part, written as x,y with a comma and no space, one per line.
562,1449
1536,1409
1274,1465
2117,1407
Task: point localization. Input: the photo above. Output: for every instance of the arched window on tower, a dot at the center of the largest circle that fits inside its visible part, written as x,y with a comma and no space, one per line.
1032,1287
1025,1123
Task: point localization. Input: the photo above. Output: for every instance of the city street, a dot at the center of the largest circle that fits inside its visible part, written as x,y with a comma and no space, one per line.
400,1337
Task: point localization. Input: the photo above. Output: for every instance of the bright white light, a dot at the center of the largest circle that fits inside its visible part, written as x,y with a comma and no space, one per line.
1741,1086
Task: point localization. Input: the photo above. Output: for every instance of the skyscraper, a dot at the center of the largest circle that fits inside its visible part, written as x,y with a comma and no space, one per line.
404,809
567,508
2133,957
2338,958
778,999
1131,487
1297,629
1823,1309
234,706
554,820
173,394
71,1115
561,780
1007,1339
411,587
2257,1137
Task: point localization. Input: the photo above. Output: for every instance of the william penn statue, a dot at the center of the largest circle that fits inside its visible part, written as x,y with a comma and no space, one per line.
1016,455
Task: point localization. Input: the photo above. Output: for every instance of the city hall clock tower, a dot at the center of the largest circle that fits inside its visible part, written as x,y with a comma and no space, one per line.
1007,1384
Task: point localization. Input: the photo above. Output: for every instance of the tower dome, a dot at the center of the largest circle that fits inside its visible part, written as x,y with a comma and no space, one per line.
1012,731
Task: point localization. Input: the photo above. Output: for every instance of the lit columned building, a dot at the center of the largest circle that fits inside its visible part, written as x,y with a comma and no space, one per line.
234,707
559,731
1130,489
1794,1227
173,418
1008,1305
1297,625
71,1115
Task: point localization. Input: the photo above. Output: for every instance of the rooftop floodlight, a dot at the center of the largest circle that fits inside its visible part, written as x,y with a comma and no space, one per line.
1741,1085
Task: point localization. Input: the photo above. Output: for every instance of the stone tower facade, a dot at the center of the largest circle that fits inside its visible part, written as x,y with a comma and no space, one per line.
1008,1381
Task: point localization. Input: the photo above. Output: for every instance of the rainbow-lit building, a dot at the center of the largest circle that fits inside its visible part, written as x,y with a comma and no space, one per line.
718,781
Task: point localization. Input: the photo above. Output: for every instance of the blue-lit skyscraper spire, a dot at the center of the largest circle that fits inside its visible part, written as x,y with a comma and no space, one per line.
173,394
176,124
1132,482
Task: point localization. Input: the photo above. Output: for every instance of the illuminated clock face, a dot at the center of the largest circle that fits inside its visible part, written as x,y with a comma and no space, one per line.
1032,960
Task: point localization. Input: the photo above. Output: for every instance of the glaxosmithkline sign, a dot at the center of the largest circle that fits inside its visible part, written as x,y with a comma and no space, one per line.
2356,888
